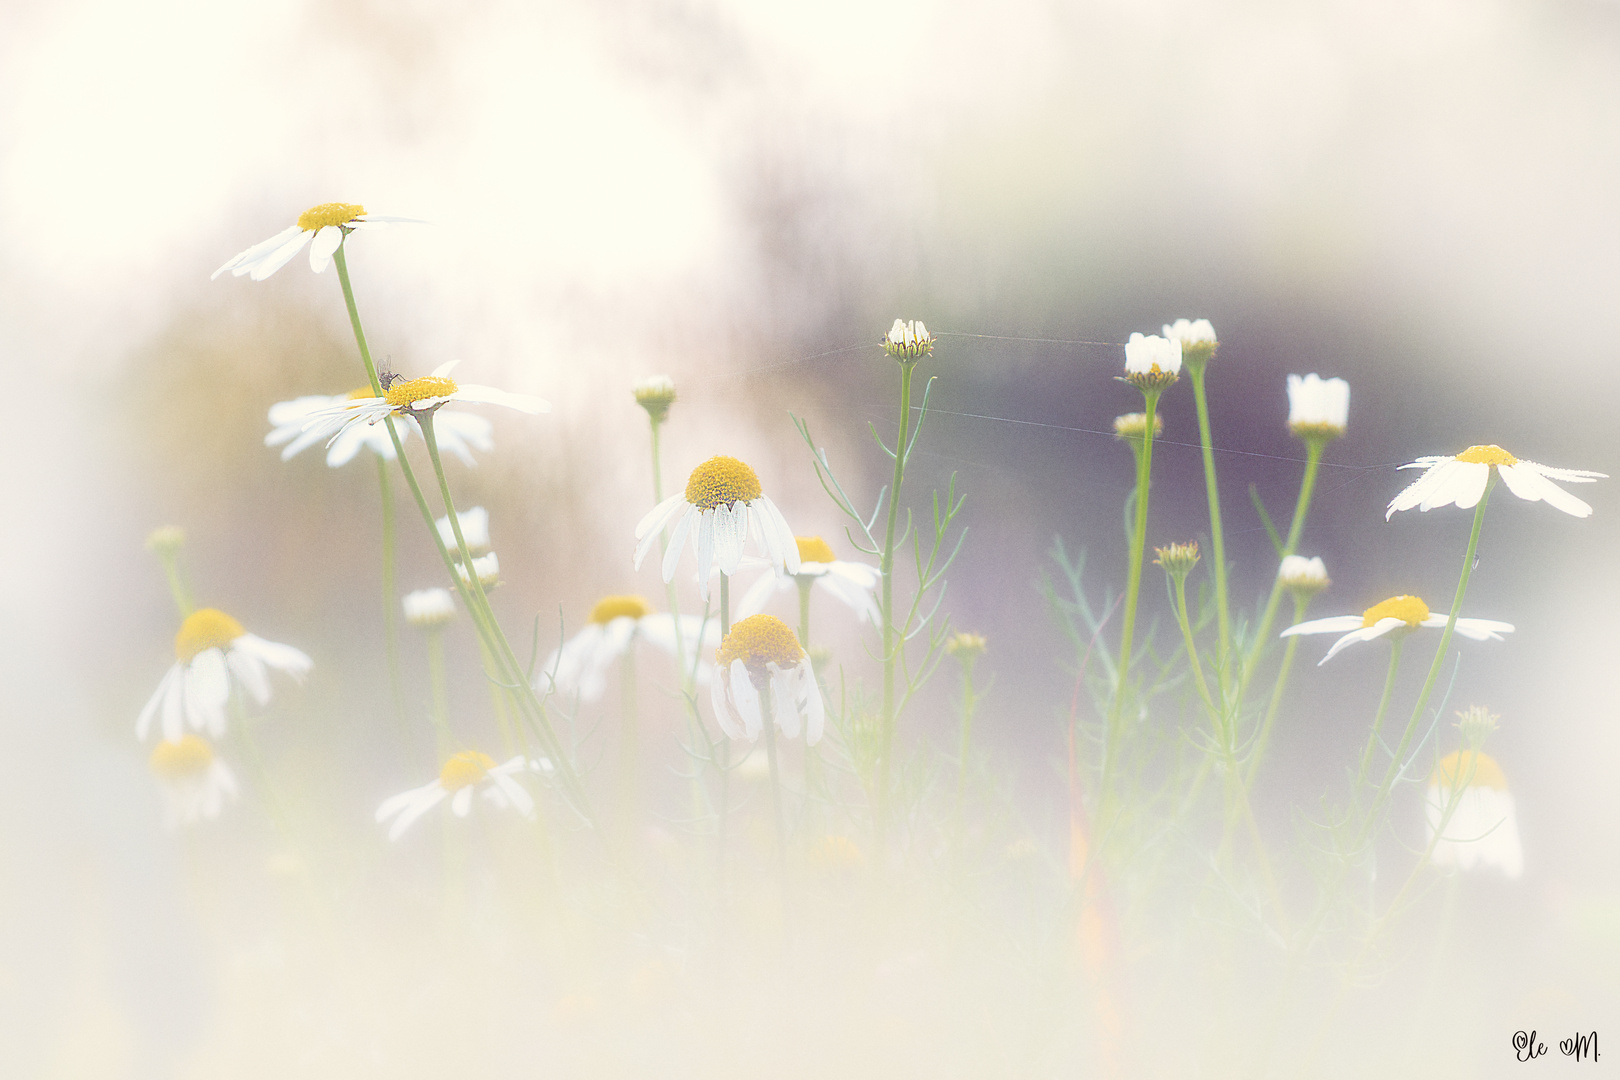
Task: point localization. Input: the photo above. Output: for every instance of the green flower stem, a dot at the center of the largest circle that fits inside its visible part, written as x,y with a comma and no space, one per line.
804,584
1395,644
440,693
341,261
1215,713
390,596
1300,604
767,713
890,644
511,733
1314,446
970,703
1133,587
688,682
177,583
1217,536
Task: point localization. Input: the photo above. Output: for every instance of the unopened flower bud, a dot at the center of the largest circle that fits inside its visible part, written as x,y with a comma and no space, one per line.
1475,725
474,529
908,342
1177,559
1197,339
488,568
165,541
1318,408
1303,577
655,393
1133,424
965,647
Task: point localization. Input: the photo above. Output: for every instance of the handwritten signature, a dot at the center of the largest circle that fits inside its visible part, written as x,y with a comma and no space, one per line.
1527,1048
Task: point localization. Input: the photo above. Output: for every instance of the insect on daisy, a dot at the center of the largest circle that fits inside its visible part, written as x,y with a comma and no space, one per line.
722,506
210,649
322,228
1483,828
413,398
614,626
1399,614
195,782
463,773
460,433
762,655
850,583
1461,479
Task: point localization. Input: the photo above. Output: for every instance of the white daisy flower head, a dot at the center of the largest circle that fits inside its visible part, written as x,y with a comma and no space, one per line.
762,655
210,651
460,433
723,505
1318,408
908,341
429,609
1397,615
1152,362
850,583
463,774
1483,828
655,393
1197,337
474,529
196,783
1132,426
1462,478
416,399
1302,576
614,626
966,647
320,228
487,567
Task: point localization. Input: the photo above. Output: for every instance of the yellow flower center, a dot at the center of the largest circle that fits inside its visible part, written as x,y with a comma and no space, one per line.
814,549
1409,609
1468,767
186,756
406,393
722,480
465,769
331,213
362,392
759,640
613,607
836,851
1489,454
204,629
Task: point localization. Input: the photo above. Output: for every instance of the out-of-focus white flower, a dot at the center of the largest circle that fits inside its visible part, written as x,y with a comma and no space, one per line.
210,649
1152,362
1483,829
1133,425
762,655
429,608
487,567
1318,408
322,228
408,397
655,393
1461,479
195,782
463,773
908,341
1301,575
1397,614
722,506
850,583
615,623
474,529
459,432
1197,339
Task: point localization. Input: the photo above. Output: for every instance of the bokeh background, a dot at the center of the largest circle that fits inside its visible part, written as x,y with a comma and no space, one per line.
1418,197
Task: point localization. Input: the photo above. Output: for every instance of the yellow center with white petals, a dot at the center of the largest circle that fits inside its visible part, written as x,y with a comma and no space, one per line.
617,607
759,640
332,213
204,629
464,769
814,549
362,392
1455,768
402,394
186,756
1488,454
722,480
1409,609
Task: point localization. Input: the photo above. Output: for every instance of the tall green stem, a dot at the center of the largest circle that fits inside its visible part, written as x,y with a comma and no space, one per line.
1133,587
389,592
1217,536
670,595
1314,446
1301,602
890,642
1383,707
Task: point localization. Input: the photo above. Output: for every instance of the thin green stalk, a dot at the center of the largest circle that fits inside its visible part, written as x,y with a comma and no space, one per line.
1215,713
440,693
1314,446
396,683
177,584
1395,645
804,584
1217,536
671,596
886,569
970,701
1300,604
765,706
1133,588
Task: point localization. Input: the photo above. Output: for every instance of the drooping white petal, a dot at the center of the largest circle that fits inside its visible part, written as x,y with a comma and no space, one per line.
815,711
1334,624
249,671
1366,633
207,688
259,250
283,658
705,548
1467,489
1529,482
784,700
724,712
327,240
268,264
461,801
1419,489
489,395
143,723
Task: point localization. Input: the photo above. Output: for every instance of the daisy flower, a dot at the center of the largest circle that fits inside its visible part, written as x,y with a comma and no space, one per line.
474,529
1301,575
459,432
1483,828
908,342
429,609
463,773
322,228
1397,614
413,397
195,782
762,655
1197,337
209,650
723,505
1152,362
1461,479
487,567
850,583
1318,408
615,624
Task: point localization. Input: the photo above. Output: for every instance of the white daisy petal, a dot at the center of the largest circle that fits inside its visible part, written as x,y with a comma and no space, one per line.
488,395
1529,482
266,265
259,250
1336,624
326,241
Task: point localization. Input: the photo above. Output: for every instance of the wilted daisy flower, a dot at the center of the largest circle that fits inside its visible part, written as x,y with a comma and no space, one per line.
1300,575
908,342
1318,408
474,529
1483,828
321,227
459,432
1152,362
210,648
487,567
723,505
427,609
1197,337
408,397
195,782
655,393
1397,614
1134,424
1461,479
850,583
762,655
615,623
463,773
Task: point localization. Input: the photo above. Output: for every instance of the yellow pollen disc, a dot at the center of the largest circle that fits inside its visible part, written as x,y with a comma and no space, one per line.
402,394
363,392
204,629
612,607
759,640
331,213
1489,454
465,769
814,549
186,756
1408,609
722,480
1455,768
